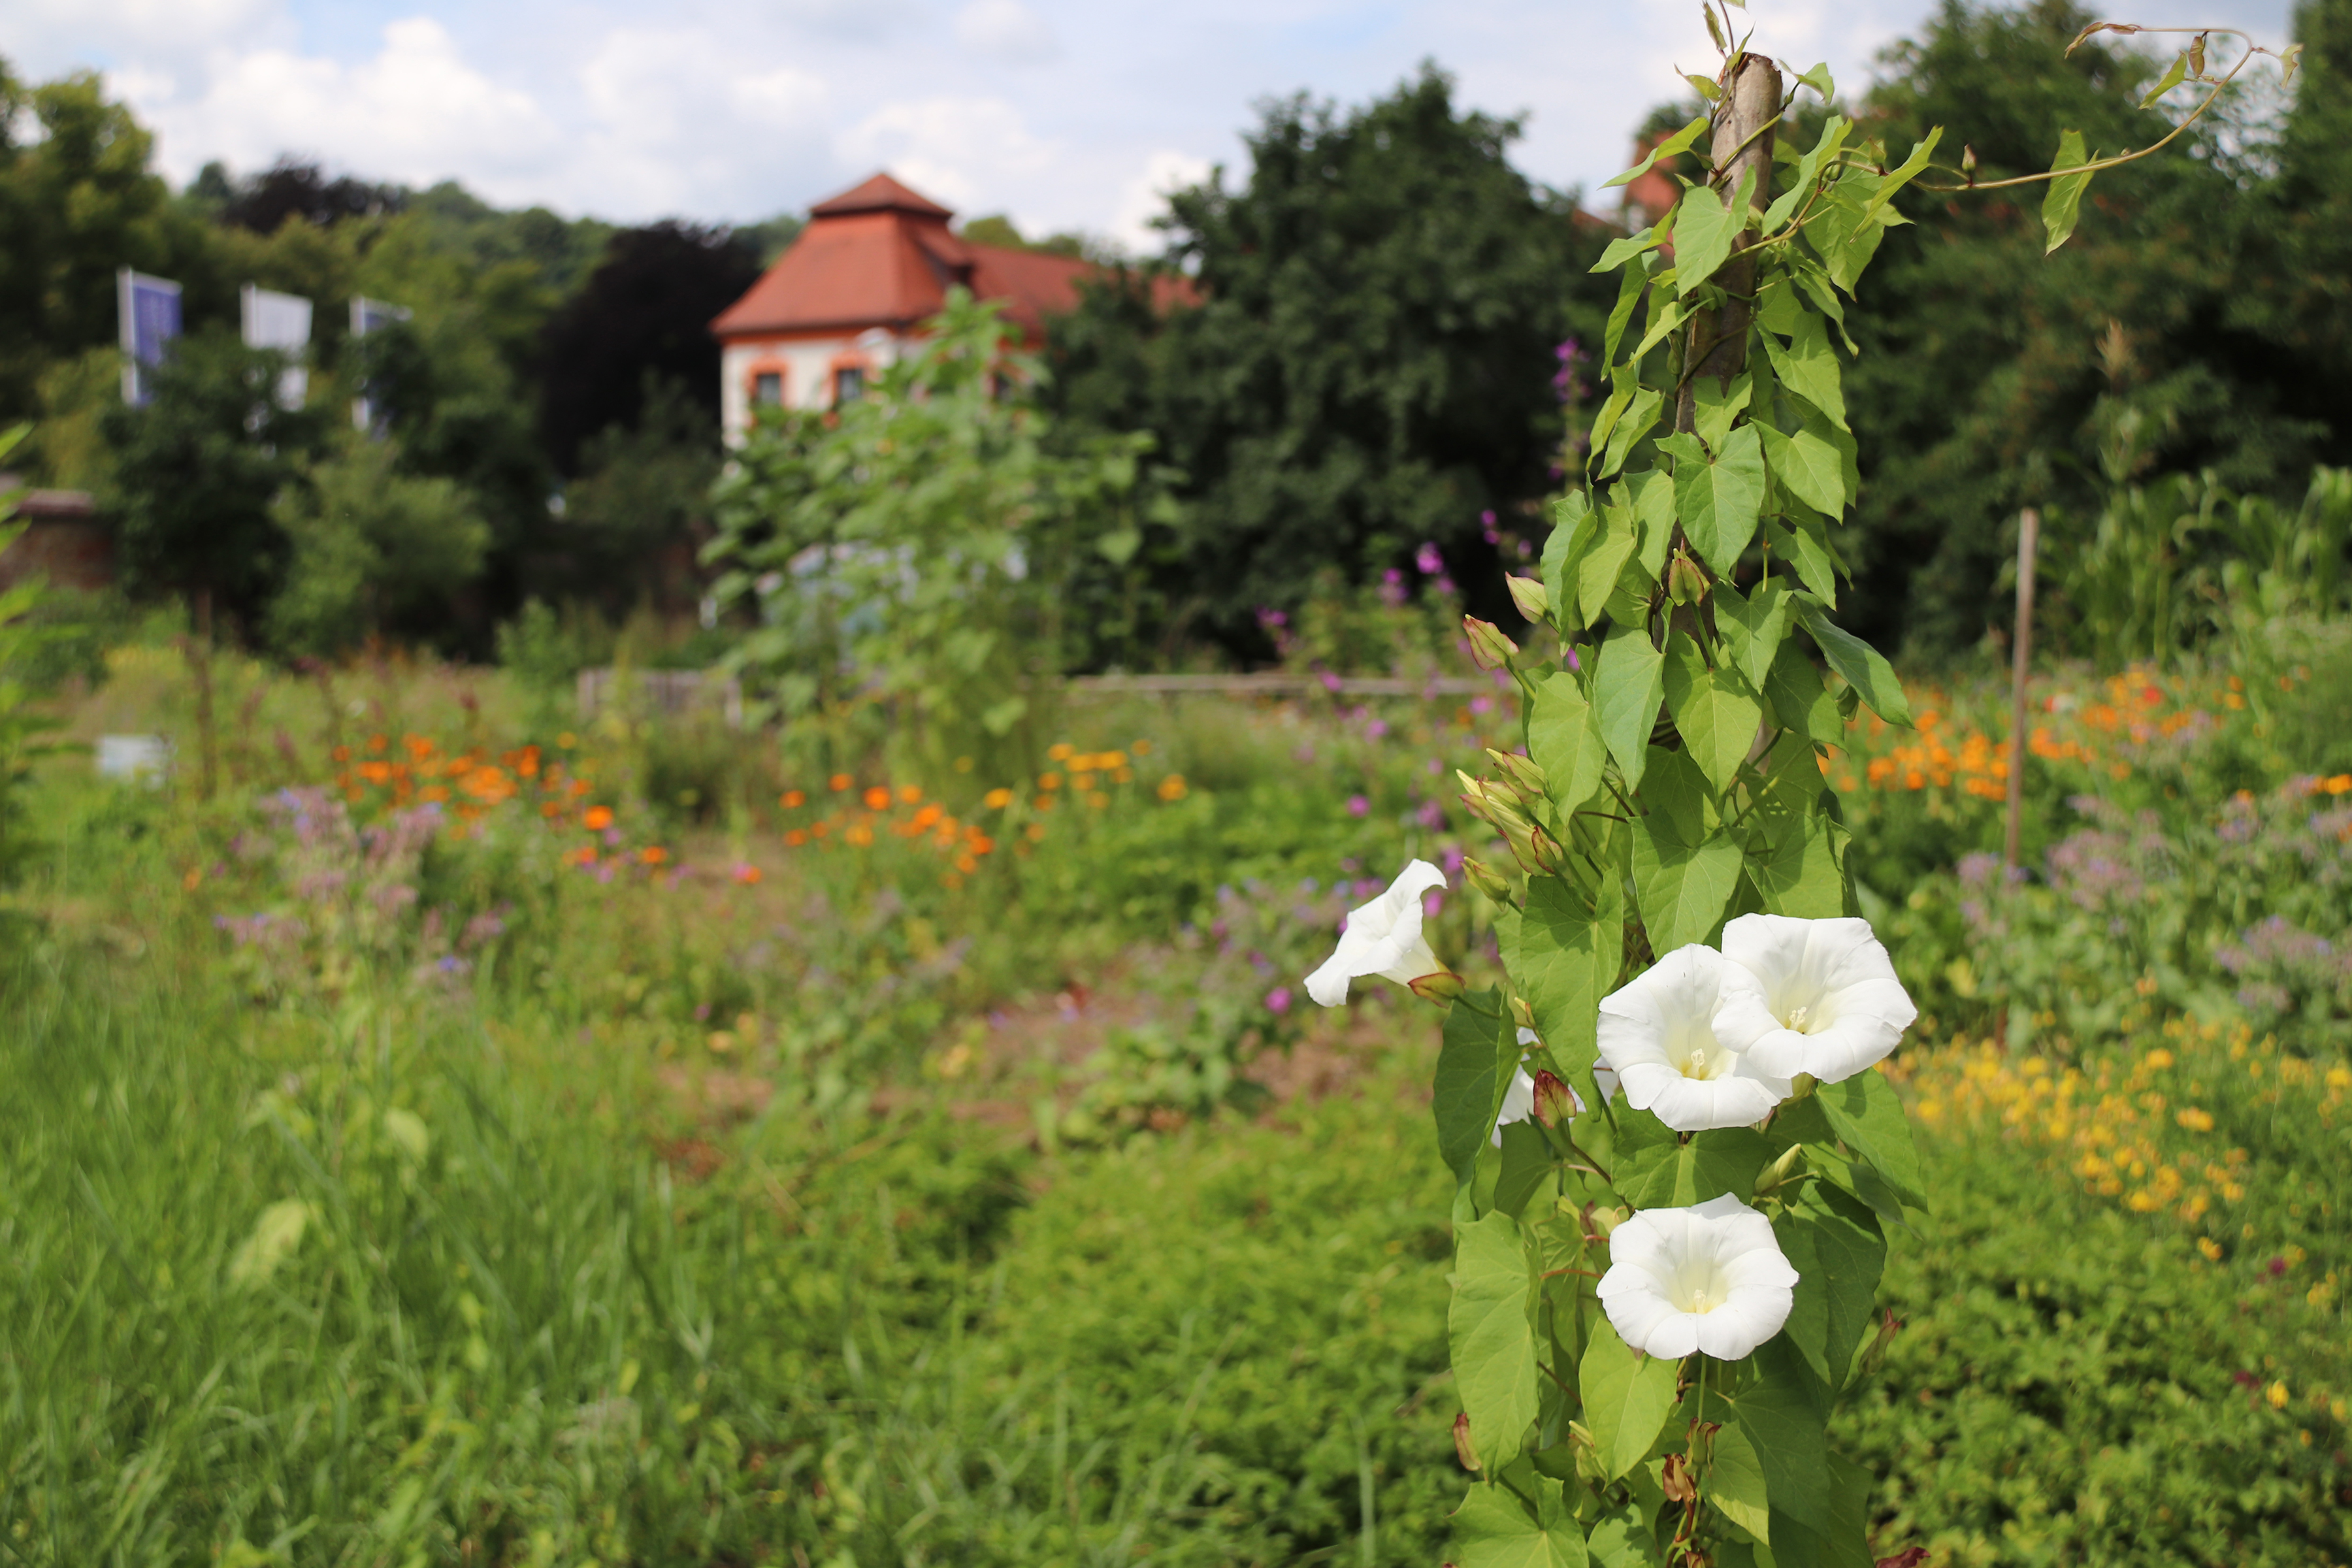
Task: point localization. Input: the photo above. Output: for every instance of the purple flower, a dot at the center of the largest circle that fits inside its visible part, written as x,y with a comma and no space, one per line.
1277,1001
1431,902
1431,815
1429,561
1377,730
1482,705
1330,682
1359,806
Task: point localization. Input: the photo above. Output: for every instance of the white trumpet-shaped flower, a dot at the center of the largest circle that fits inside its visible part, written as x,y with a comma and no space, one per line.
1825,1001
1382,937
1658,1034
1518,1104
1710,1278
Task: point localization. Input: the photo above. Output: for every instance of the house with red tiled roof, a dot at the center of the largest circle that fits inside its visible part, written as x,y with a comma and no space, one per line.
852,292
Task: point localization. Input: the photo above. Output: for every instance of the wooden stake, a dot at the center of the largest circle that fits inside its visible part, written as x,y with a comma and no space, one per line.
2029,544
1745,122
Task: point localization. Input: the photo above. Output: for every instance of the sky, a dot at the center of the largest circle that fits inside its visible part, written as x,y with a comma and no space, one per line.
1065,115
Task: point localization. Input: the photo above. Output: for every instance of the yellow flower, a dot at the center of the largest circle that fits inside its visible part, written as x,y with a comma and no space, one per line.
997,799
2277,1395
1172,788
2210,1247
2196,1121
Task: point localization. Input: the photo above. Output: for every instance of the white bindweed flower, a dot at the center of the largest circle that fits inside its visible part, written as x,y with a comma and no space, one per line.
1518,1104
1658,1035
1382,937
1825,1000
1710,1278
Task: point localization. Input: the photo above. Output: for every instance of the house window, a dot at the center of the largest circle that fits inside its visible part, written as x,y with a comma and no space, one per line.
767,389
848,384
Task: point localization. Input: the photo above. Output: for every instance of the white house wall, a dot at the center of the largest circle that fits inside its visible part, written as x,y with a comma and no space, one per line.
808,364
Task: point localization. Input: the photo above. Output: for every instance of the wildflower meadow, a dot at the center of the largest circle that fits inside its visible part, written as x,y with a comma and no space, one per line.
1593,1087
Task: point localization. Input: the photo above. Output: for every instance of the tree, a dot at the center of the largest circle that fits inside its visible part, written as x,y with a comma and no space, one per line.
1370,362
641,502
299,188
1989,378
77,201
373,549
648,307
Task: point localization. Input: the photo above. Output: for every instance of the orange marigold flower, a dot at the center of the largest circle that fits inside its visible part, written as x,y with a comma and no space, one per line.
342,753
596,818
877,798
1049,780
796,838
653,855
1059,751
1142,748
1172,788
839,781
746,874
909,794
378,742
997,799
859,833
792,800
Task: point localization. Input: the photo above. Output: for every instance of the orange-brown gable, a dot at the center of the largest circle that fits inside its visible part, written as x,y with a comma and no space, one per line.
880,254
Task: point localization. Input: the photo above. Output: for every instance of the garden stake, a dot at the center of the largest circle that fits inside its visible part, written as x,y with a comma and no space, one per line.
2029,541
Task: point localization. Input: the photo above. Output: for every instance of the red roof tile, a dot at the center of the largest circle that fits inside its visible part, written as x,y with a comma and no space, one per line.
882,255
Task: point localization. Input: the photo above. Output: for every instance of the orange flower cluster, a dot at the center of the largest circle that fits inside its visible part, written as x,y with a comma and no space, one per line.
2133,707
419,772
965,844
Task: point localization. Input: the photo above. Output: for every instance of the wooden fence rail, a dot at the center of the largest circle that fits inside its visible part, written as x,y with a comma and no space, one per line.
673,692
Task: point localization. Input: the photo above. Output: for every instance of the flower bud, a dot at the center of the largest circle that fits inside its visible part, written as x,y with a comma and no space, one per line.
1780,1172
1532,599
1486,879
1554,1101
1523,1012
1685,582
1677,1482
1876,1354
1441,988
1489,648
1463,1451
1524,772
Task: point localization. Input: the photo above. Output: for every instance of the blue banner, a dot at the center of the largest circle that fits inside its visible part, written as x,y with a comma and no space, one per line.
149,309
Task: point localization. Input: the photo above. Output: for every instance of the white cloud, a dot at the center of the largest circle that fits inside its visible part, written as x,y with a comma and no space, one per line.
967,153
416,112
41,37
1146,197
678,132
1006,31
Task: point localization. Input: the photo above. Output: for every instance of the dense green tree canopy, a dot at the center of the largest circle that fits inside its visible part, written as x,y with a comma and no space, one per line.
1371,361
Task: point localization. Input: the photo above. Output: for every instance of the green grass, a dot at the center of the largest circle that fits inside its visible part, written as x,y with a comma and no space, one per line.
552,1302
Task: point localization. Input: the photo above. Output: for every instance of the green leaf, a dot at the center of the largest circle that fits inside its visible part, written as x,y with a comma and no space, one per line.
1574,526
1799,701
1674,1174
1735,1483
1564,740
1718,495
1491,1328
1803,874
1681,887
1752,627
1835,1244
1714,712
1808,367
1715,406
1623,1540
1630,288
1639,415
1463,1092
1627,1398
2170,79
1803,541
1808,466
1665,317
1571,945
1598,571
1527,1160
1809,167
1864,667
1820,80
1672,147
1704,231
2063,202
1869,1119
1495,1527
1911,168
1784,1414
1628,684
1837,231
1622,251
1654,509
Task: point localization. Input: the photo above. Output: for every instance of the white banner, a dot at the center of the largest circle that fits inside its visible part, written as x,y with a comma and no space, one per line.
281,322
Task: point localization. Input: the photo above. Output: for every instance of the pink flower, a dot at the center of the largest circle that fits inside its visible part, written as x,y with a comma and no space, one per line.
1357,806
1277,1001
